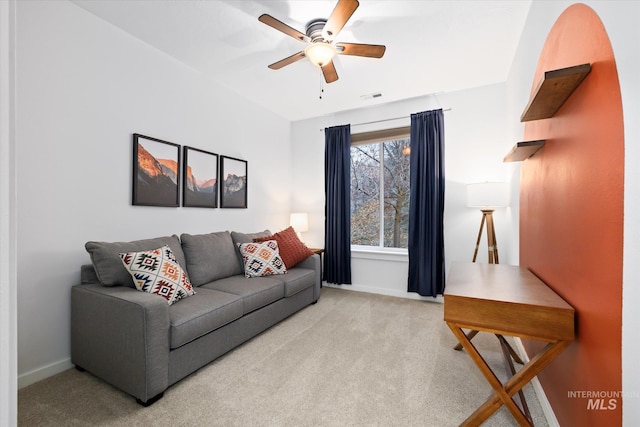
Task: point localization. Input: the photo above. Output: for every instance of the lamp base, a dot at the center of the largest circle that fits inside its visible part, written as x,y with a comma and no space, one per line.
487,217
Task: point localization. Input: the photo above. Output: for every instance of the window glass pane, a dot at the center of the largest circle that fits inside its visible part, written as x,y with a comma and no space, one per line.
396,193
365,195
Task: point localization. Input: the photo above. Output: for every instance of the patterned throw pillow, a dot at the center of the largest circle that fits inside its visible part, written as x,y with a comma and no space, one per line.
292,249
261,259
157,272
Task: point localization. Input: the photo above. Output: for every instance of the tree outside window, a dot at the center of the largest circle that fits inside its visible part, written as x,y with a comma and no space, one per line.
380,194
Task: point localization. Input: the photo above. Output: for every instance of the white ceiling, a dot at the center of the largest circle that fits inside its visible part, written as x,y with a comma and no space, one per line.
432,46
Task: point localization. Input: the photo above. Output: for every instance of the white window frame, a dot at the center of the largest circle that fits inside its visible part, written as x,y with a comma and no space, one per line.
367,138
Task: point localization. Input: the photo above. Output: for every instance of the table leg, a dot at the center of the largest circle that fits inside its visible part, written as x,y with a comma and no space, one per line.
512,352
502,393
472,333
508,355
530,370
470,336
503,398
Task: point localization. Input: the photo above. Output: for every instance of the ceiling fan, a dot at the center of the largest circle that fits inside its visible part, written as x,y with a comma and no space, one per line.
319,36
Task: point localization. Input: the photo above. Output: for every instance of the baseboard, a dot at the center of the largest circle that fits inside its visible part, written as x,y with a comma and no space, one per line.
40,374
381,291
537,388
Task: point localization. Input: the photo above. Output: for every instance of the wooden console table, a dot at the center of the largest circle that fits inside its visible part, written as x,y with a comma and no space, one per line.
506,300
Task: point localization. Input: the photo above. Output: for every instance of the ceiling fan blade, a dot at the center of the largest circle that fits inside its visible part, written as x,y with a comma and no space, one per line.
340,15
282,27
357,49
330,73
286,61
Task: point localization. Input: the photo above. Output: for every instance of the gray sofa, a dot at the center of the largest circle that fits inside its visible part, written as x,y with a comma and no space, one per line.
138,343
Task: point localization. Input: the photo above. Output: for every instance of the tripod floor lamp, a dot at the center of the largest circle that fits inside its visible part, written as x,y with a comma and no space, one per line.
488,196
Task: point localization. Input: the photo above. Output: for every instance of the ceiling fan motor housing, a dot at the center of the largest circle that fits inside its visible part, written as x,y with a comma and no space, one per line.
314,29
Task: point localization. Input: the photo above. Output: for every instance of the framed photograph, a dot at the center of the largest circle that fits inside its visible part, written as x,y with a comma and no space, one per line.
233,179
156,174
199,178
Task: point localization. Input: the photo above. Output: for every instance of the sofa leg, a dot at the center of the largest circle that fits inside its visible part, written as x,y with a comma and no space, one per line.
151,401
80,369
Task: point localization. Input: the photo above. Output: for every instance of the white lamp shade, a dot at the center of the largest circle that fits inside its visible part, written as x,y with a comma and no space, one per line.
488,195
299,221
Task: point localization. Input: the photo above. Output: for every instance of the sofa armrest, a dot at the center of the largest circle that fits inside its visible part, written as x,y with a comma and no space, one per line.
314,263
121,335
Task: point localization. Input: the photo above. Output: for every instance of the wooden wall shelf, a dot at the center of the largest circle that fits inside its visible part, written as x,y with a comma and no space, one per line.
523,150
553,90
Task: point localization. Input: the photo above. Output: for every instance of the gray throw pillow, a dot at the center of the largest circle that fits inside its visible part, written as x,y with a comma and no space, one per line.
209,257
108,265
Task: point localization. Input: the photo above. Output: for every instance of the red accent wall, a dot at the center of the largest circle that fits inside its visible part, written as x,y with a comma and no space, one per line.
571,212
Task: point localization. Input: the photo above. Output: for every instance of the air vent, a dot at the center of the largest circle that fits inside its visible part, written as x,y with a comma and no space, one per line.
370,96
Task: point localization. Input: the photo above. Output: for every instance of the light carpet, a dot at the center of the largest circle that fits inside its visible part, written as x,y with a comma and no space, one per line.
352,359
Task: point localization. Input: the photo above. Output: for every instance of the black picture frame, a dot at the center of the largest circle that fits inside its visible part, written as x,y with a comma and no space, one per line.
199,178
233,182
156,172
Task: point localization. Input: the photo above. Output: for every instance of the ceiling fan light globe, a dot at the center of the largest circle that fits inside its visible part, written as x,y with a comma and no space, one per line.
320,54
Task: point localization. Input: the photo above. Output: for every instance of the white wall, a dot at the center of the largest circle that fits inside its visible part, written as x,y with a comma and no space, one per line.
8,286
620,21
83,88
475,143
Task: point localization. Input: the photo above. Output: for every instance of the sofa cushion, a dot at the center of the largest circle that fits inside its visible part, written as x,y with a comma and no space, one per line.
157,272
105,257
256,292
209,257
239,237
298,279
292,250
202,313
261,259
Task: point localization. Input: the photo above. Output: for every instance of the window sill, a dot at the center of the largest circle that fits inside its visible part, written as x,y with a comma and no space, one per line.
379,254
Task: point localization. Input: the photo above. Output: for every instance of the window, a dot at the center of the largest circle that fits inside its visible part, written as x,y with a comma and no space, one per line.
380,188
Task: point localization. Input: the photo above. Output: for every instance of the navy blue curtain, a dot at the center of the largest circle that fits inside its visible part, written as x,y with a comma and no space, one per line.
426,204
337,225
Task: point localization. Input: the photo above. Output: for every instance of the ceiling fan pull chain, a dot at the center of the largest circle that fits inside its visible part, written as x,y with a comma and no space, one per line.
321,84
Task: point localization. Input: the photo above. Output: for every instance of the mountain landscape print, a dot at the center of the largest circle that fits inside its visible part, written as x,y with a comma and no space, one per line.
200,181
155,172
233,173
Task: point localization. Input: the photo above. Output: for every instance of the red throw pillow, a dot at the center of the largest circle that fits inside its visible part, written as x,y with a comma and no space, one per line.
292,250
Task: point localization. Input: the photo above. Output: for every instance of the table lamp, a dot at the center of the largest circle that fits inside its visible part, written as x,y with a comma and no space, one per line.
488,196
300,223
